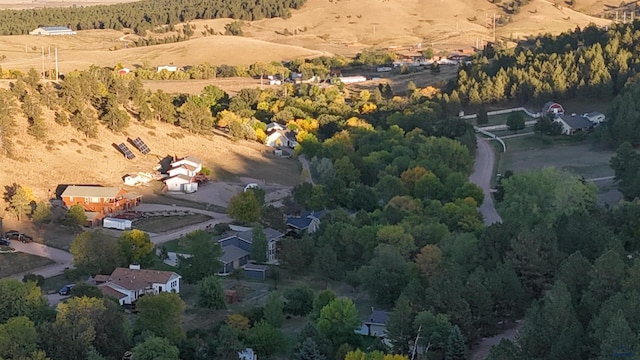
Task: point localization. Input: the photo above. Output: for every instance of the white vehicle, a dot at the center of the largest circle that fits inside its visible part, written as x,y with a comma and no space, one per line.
251,186
113,223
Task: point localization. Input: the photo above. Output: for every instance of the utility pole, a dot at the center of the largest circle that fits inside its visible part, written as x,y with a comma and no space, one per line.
42,75
494,28
57,74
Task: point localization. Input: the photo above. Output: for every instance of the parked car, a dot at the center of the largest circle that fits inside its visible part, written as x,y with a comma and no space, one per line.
11,233
5,242
66,290
20,237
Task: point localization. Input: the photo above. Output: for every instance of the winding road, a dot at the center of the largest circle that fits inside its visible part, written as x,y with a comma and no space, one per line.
483,168
64,260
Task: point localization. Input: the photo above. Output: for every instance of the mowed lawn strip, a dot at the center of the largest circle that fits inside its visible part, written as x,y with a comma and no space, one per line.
159,224
535,152
15,263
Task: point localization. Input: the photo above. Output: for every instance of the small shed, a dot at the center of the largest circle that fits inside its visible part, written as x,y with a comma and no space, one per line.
231,296
553,109
255,271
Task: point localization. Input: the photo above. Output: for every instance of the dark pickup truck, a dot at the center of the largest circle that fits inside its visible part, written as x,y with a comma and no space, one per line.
14,235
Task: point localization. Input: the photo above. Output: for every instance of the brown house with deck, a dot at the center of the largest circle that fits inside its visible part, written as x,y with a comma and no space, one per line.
99,201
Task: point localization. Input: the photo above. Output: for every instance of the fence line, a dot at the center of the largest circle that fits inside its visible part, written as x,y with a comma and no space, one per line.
493,136
504,111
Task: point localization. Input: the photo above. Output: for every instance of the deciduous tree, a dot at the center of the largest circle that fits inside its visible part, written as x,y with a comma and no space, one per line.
211,293
338,321
274,310
161,315
259,246
205,259
244,207
156,348
21,201
136,247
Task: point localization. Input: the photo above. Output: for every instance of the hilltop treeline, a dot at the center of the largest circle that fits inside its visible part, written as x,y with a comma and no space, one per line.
142,15
590,62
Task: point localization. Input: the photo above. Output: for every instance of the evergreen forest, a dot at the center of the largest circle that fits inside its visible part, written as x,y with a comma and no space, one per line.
141,16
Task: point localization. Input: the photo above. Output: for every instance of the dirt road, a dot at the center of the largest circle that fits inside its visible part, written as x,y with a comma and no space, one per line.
62,259
481,176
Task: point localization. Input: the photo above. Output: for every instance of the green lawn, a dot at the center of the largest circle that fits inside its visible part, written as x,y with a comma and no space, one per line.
53,284
502,119
159,224
563,152
15,263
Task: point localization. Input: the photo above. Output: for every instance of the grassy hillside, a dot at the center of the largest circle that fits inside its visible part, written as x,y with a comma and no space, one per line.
321,26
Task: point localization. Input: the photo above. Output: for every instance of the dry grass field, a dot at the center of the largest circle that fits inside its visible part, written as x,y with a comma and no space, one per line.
70,158
320,27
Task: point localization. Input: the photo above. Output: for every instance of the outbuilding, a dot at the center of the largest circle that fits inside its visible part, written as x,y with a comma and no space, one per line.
52,30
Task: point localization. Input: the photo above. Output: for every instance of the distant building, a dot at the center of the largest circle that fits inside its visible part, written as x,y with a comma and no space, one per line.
169,68
53,30
572,124
552,109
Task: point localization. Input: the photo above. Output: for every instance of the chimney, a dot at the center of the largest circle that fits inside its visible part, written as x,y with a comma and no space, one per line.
134,266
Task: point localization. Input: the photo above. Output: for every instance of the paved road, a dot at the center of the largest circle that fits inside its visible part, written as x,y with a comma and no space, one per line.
64,260
482,173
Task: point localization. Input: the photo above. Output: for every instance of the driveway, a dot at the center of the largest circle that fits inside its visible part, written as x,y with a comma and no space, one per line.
481,176
62,259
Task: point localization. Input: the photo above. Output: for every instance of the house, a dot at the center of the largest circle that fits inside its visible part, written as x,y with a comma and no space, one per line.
572,124
188,165
308,221
99,201
595,117
375,325
182,174
236,250
169,68
273,126
129,284
282,138
552,109
52,30
182,183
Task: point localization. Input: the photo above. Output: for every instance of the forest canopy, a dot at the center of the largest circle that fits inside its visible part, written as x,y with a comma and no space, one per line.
142,15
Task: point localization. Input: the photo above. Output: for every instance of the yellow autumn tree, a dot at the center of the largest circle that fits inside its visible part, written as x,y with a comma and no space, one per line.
368,108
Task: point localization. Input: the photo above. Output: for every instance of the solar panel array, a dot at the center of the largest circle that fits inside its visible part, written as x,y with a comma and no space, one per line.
125,150
138,143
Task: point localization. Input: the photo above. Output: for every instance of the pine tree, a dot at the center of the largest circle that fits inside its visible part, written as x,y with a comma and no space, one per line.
400,326
308,350
274,310
619,341
456,348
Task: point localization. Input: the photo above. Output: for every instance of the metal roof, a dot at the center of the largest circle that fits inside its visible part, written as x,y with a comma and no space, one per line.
91,191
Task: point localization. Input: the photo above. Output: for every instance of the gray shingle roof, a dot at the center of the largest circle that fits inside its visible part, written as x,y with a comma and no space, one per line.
90,191
232,253
269,233
577,122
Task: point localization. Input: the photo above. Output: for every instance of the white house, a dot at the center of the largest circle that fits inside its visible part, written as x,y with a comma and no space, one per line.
595,117
169,68
181,183
52,30
128,284
282,138
273,126
189,166
572,124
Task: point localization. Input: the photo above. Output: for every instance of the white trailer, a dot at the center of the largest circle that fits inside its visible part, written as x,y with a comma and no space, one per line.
113,223
352,79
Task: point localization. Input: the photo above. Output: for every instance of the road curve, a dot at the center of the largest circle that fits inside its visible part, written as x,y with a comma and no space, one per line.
482,172
64,259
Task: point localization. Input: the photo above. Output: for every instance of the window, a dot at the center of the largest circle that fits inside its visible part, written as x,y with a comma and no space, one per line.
95,200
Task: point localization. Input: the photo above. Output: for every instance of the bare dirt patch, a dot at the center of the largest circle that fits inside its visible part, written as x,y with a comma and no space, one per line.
15,263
